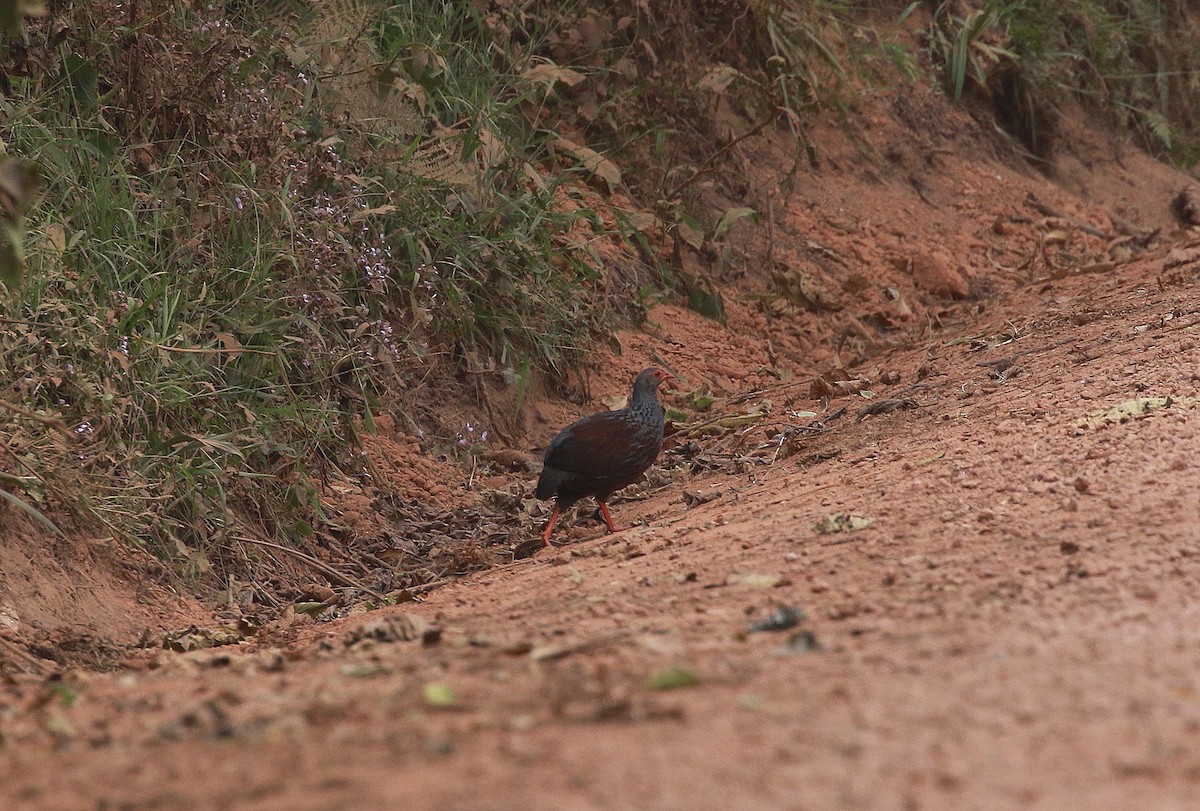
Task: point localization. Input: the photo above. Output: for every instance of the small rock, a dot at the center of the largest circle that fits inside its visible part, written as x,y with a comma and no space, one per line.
781,619
802,642
1186,205
931,273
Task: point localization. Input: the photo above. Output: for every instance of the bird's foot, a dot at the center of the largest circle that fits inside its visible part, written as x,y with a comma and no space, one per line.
608,519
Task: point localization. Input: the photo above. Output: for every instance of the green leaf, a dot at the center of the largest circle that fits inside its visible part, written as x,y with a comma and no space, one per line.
908,10
438,694
313,609
691,232
731,216
84,83
707,302
675,415
672,678
66,696
32,511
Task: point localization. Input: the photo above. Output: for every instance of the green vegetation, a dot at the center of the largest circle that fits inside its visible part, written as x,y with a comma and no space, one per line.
248,242
1134,62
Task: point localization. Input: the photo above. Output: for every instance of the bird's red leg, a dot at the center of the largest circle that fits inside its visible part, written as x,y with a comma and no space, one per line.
550,526
608,517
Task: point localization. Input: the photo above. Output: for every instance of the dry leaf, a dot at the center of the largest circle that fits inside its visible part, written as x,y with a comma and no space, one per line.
842,522
718,79
592,161
548,73
1133,409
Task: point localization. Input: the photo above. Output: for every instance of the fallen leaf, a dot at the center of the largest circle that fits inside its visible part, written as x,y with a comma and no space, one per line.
231,344
842,522
313,609
672,678
365,214
695,499
548,73
807,287
718,78
592,161
195,638
644,222
58,726
1181,256
823,387
438,694
1133,409
753,703
546,653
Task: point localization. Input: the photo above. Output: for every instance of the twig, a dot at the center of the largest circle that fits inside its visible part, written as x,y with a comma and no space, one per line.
710,163
430,586
1037,205
51,422
334,574
27,661
548,653
771,234
886,407
1007,360
210,351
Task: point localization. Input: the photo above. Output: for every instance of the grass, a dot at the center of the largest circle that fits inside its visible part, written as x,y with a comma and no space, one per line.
1134,62
237,259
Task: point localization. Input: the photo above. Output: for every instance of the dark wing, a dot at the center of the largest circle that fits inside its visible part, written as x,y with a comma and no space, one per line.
593,446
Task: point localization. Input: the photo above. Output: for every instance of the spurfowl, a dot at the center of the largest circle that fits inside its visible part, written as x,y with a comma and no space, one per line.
598,455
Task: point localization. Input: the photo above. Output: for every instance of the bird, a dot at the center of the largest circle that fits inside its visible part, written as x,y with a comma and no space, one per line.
603,453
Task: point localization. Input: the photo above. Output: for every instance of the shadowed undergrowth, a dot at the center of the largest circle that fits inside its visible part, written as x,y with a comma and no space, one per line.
248,243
